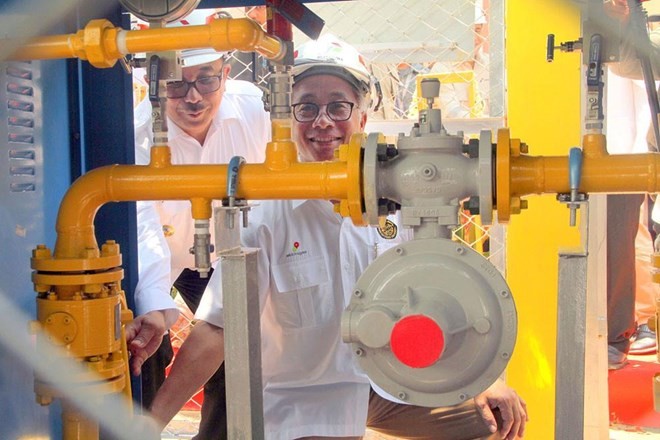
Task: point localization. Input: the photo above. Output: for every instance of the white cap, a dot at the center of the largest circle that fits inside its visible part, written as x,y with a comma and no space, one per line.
330,56
195,57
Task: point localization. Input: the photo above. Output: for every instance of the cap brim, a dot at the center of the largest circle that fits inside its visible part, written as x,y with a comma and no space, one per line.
334,70
195,57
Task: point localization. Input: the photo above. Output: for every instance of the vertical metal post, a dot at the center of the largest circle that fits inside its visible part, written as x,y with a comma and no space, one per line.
242,344
571,338
571,320
580,405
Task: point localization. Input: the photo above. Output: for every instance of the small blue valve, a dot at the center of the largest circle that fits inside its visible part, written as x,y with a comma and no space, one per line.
232,184
574,176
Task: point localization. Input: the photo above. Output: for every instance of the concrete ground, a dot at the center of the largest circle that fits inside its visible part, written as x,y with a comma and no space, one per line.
184,426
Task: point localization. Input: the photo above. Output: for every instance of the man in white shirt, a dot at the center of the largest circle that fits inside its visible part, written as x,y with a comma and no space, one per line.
210,120
630,301
308,262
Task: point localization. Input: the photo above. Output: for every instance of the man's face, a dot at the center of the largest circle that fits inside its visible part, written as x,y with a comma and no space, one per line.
194,112
318,138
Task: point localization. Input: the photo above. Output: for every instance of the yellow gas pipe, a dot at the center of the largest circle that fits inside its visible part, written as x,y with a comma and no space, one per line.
281,176
78,270
102,44
80,304
518,174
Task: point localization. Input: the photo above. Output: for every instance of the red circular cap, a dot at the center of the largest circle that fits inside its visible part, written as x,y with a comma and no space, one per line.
417,341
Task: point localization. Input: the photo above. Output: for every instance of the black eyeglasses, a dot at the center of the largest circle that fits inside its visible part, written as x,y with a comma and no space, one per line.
337,111
204,85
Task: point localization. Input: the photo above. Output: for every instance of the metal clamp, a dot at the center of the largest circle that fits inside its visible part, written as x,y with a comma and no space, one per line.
232,184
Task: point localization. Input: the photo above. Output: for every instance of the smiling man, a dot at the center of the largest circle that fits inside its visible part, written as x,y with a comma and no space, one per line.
308,263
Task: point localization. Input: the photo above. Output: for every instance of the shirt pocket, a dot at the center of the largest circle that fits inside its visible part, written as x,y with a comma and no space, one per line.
297,297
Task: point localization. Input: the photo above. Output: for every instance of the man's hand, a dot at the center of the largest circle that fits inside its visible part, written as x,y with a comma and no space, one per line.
512,407
144,335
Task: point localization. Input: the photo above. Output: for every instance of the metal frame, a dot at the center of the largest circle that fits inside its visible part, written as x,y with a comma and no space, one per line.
571,335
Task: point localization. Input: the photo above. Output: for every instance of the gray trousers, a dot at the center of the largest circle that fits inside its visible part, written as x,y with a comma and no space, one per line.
460,422
622,223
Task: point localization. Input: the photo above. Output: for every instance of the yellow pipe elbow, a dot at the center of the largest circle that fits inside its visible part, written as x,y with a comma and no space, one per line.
247,36
75,219
222,34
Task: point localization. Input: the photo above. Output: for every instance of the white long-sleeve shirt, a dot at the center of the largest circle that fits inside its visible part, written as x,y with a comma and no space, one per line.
308,263
240,128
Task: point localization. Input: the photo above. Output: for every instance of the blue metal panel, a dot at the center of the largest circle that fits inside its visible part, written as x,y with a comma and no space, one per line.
106,103
47,111
35,174
107,138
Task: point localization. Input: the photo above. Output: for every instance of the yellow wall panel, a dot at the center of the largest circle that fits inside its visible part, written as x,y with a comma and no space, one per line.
544,112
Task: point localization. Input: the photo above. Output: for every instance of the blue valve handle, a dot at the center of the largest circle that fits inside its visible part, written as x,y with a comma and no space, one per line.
574,176
574,170
232,176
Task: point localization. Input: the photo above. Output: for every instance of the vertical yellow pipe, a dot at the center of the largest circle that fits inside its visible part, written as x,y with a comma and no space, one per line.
281,151
544,110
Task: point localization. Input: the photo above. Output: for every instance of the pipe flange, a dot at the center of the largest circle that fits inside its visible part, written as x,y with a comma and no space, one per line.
485,177
370,185
113,275
503,175
352,206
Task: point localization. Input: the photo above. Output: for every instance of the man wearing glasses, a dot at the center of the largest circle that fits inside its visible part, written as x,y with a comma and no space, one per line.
308,263
210,119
